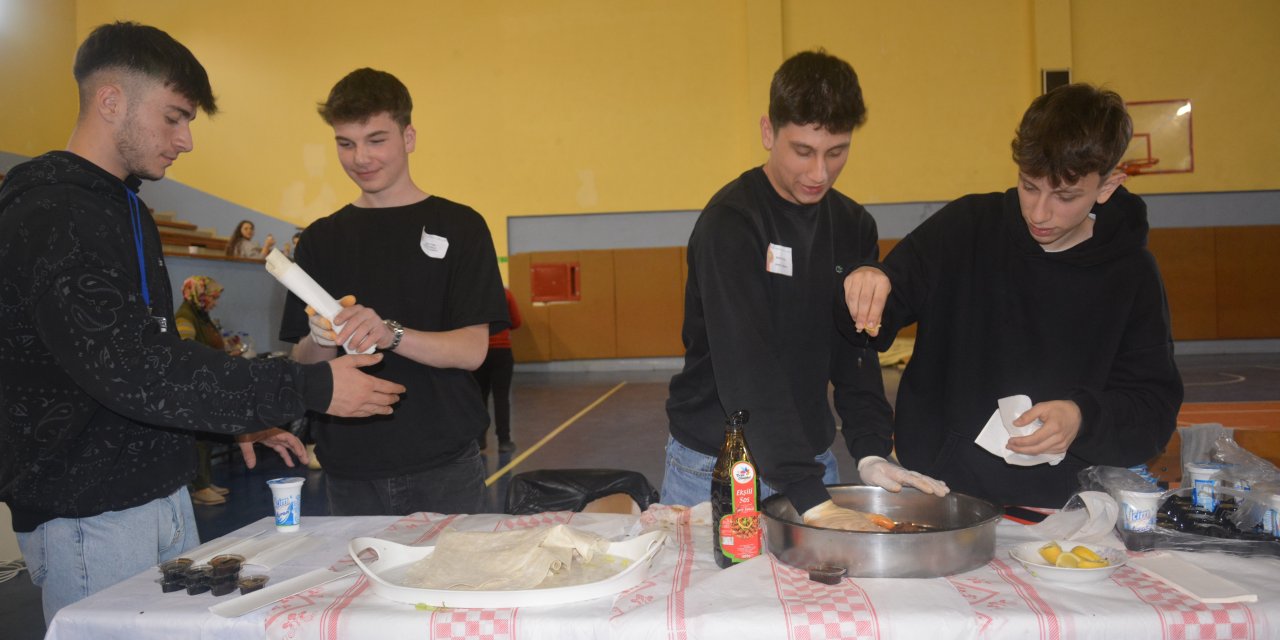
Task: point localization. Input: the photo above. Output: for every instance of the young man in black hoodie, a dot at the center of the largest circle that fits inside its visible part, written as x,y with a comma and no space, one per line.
763,308
1045,290
98,392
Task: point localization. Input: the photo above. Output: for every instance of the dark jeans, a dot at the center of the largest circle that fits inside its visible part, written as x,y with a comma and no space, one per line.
495,375
457,487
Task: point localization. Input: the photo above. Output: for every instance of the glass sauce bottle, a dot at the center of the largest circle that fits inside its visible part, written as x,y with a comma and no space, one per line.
735,492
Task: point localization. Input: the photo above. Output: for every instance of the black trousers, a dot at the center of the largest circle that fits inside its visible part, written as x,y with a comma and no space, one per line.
494,377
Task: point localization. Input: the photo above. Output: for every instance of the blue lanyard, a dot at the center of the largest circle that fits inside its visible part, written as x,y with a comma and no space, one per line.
135,217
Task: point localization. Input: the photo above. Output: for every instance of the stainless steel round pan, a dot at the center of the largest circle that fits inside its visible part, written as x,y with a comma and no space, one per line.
962,535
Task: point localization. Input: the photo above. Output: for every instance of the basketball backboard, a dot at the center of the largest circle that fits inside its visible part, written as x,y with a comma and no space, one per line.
1162,141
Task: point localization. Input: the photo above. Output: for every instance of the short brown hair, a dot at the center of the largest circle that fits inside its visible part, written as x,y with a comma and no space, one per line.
1072,131
814,87
138,48
365,93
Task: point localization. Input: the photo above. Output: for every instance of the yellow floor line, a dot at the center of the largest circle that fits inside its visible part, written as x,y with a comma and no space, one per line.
520,458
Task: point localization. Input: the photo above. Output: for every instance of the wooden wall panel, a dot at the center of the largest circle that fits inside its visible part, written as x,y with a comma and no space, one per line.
684,278
1248,281
532,341
1188,265
586,328
647,286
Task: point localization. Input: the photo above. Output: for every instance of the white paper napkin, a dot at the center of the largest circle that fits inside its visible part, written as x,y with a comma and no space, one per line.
1000,428
1192,580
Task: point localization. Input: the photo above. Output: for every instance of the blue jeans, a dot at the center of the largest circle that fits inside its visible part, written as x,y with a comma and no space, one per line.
457,487
73,558
687,479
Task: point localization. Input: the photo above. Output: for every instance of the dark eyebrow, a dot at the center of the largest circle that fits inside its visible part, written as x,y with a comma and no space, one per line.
185,112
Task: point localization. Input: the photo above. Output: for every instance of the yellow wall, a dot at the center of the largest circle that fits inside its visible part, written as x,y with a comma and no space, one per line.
1223,56
521,108
37,94
945,85
576,106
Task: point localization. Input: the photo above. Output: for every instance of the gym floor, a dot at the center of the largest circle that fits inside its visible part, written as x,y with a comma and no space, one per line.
627,430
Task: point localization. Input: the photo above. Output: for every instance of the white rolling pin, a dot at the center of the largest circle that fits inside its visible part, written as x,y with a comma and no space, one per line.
296,280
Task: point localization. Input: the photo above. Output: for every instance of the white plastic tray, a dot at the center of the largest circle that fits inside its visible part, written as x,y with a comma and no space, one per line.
387,572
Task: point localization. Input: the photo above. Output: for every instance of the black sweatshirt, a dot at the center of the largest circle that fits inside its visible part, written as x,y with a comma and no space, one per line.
98,391
769,343
999,316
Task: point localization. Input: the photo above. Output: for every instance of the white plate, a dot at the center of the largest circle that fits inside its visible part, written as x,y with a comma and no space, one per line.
1028,554
386,573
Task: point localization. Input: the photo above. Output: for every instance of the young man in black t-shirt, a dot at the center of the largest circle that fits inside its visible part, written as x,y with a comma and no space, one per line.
428,267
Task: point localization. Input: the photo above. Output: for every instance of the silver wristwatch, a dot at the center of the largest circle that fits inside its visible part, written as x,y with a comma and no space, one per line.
397,330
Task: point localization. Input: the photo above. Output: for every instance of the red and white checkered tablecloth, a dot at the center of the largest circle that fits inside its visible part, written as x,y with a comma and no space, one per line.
687,597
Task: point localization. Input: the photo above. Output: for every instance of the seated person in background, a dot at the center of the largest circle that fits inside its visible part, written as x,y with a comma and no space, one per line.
199,296
1046,290
423,261
242,246
762,305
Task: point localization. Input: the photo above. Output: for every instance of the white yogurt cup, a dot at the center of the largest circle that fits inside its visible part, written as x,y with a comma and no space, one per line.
286,496
1203,478
1138,509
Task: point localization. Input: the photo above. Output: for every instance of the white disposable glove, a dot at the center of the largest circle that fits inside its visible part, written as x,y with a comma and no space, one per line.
828,515
321,329
887,475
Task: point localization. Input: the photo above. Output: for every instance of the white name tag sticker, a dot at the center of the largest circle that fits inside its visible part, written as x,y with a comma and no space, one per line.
434,246
778,260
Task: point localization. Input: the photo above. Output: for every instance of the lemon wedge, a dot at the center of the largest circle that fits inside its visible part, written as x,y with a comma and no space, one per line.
1050,552
1086,553
1067,560
1093,564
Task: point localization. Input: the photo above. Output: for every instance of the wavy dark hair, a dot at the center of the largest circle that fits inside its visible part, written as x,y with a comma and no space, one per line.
365,93
1072,131
138,48
814,87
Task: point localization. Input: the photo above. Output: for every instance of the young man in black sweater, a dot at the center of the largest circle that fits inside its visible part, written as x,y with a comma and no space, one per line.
1045,290
98,392
762,309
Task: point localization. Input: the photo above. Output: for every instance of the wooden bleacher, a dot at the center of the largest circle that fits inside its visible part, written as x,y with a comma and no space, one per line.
179,236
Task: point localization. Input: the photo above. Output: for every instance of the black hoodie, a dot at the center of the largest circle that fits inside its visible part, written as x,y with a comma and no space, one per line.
999,316
97,391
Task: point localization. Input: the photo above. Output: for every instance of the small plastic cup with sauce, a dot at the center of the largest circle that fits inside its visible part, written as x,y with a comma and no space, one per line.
827,574
198,579
226,564
249,584
173,574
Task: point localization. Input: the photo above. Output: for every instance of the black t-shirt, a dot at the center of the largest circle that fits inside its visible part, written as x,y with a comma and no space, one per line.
382,257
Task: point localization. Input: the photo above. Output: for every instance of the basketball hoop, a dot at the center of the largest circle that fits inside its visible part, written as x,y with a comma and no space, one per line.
1138,166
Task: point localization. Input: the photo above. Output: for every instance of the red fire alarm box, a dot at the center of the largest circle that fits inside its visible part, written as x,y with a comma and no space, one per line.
556,282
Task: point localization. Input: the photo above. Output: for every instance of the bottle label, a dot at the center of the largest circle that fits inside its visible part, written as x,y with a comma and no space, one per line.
740,535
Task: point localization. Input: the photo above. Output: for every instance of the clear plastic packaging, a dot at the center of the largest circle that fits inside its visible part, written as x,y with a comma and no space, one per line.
1238,524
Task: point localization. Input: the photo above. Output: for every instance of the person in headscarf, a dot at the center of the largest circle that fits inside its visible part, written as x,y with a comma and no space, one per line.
199,296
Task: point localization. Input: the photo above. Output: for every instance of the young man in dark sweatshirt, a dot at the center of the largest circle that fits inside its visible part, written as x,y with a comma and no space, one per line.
762,309
98,392
1045,290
